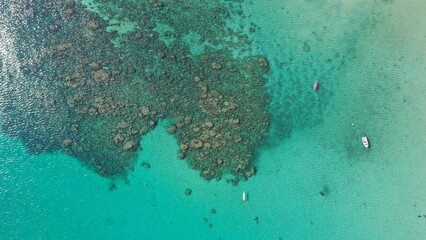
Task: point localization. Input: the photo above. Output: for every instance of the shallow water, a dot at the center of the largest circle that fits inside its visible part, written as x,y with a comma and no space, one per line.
314,178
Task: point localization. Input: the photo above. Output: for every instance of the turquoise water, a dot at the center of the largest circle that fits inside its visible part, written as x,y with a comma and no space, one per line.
315,180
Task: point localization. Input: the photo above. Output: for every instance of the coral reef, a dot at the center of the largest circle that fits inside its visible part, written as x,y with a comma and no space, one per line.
94,93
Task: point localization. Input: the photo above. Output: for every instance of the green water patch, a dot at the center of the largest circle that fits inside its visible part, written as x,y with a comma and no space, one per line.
197,46
371,97
165,33
194,41
113,14
369,58
307,46
95,101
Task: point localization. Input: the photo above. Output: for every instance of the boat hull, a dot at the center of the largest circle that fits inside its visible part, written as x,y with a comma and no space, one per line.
365,142
315,85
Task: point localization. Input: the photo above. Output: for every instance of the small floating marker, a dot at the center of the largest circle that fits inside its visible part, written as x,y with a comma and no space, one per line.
244,197
315,85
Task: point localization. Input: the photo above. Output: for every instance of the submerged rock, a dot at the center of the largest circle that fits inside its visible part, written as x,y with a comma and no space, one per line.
93,25
68,142
101,75
216,65
188,191
129,145
196,143
54,27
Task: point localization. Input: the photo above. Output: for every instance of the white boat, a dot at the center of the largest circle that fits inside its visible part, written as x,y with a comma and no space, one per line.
365,142
244,197
315,85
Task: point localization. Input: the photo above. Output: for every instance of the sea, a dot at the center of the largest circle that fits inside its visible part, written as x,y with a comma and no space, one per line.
315,179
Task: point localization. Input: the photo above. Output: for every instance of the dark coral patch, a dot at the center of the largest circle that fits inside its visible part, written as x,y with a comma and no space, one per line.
93,94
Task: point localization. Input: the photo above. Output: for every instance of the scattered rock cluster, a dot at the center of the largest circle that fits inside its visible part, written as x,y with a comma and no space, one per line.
97,100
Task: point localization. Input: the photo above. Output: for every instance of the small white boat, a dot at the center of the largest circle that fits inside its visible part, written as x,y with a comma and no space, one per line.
365,142
315,85
244,197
